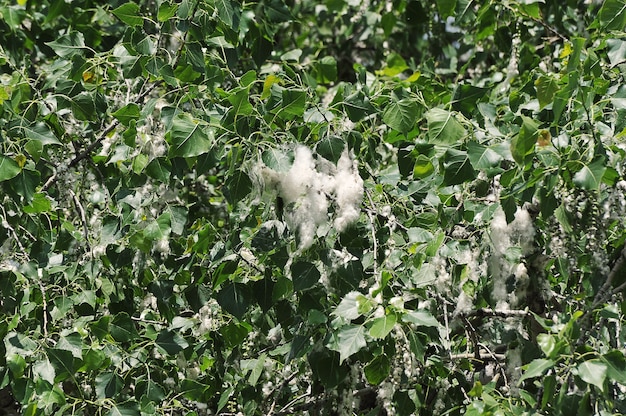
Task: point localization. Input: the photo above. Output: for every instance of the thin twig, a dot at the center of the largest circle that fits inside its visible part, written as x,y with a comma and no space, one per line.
375,242
83,217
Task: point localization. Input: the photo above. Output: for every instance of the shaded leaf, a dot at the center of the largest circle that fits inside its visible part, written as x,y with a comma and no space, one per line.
304,275
171,342
377,370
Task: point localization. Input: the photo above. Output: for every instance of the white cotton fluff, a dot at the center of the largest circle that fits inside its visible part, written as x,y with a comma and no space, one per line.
310,186
348,191
519,233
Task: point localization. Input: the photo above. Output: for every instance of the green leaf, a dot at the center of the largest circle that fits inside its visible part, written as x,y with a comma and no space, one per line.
189,137
546,86
293,103
239,186
304,275
127,113
423,167
108,385
330,148
241,103
348,341
446,8
443,127
457,167
234,299
590,176
612,15
123,328
482,157
349,308
159,169
615,366
166,11
536,368
377,370
171,342
523,144
420,318
401,115
381,327
8,168
129,14
63,363
73,343
41,133
593,372
277,159
123,409
547,343
326,70
68,45
227,13
44,370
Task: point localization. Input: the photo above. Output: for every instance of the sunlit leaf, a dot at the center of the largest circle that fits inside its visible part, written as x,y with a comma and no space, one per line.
401,115
189,137
129,14
349,340
443,127
590,176
381,327
593,372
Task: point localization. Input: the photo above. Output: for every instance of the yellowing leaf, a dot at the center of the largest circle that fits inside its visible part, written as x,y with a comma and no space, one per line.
267,85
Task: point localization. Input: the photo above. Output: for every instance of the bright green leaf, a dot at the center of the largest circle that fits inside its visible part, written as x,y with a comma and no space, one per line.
401,115
420,318
381,327
536,368
446,8
127,113
593,372
590,176
8,168
443,127
68,45
129,14
546,86
349,340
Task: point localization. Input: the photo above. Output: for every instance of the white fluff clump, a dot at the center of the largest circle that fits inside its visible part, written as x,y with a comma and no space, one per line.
505,240
310,186
348,191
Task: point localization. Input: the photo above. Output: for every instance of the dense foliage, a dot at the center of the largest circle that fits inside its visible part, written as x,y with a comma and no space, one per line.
312,207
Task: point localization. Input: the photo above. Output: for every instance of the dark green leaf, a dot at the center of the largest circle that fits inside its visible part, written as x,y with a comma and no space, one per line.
239,186
171,342
41,133
482,157
446,8
108,385
293,103
613,15
457,167
123,328
234,299
304,275
377,370
330,148
159,169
